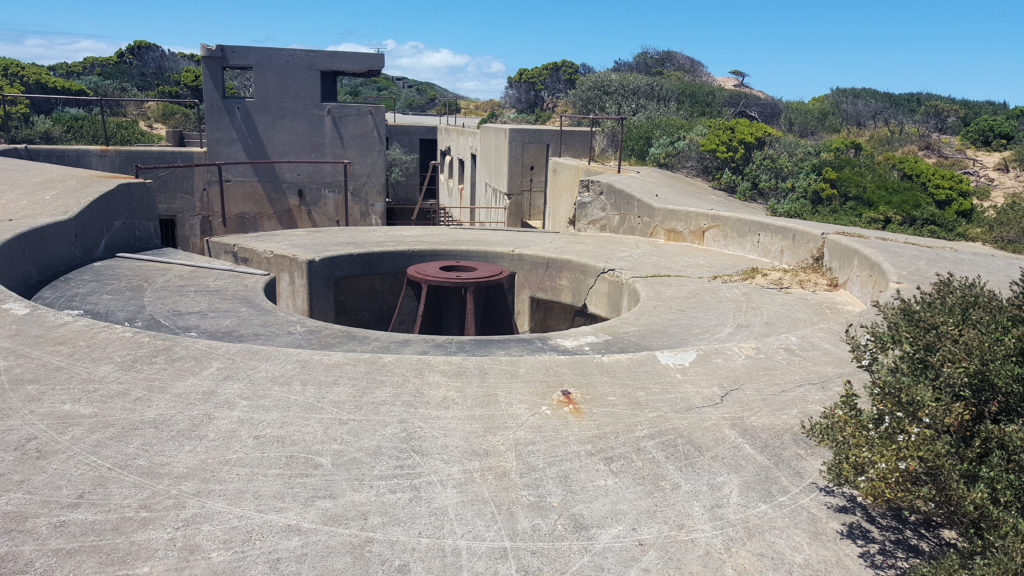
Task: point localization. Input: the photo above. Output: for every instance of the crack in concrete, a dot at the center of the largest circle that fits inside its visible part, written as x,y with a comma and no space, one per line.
858,235
721,399
594,283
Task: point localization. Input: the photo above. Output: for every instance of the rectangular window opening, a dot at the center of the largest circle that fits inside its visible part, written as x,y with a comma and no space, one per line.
238,82
329,85
335,88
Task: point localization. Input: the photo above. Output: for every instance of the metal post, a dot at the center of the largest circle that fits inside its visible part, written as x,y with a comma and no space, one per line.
103,117
622,133
7,131
202,123
560,117
590,151
347,166
223,208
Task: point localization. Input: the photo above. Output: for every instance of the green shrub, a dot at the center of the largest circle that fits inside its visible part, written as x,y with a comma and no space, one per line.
950,191
1004,227
400,165
940,431
1015,159
173,116
641,134
38,130
732,142
623,94
993,132
681,153
810,119
85,129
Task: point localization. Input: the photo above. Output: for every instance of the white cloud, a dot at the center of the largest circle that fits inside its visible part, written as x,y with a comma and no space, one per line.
476,76
47,47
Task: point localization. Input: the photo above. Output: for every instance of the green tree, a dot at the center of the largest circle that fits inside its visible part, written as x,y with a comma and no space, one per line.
17,77
939,116
940,432
669,63
809,119
623,94
540,87
740,74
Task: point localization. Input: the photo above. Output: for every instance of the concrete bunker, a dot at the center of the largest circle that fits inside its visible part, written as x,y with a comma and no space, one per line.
552,294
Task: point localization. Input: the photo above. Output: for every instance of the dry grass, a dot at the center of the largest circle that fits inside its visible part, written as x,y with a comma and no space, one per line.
810,275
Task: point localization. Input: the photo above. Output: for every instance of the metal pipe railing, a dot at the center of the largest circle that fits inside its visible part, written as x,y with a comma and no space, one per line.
590,152
103,115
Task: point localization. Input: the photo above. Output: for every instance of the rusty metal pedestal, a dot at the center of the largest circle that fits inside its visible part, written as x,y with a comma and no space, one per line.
456,298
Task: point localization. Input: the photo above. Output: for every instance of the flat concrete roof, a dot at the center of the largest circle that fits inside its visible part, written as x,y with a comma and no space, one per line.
433,120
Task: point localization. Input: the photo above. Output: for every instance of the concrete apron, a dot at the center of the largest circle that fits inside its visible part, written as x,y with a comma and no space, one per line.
680,453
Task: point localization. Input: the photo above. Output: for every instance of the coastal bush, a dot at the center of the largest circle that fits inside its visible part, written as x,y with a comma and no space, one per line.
938,429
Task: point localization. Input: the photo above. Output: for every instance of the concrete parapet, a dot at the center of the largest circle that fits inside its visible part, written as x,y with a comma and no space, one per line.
57,219
871,265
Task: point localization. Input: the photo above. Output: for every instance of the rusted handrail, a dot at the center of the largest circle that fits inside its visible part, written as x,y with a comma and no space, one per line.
590,152
103,115
446,114
220,175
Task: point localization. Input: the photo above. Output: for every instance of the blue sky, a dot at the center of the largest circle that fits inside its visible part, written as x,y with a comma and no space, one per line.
792,50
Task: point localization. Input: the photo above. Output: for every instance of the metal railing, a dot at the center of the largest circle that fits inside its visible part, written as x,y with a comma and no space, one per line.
394,105
220,175
590,153
103,115
459,214
447,113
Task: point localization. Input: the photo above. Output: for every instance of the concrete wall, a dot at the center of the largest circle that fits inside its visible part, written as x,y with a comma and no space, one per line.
409,136
286,118
56,219
192,196
625,204
511,169
182,194
869,264
564,177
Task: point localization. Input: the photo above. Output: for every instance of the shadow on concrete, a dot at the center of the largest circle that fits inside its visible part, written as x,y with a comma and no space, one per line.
890,541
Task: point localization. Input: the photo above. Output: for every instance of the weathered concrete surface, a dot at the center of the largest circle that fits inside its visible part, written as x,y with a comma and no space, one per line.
55,219
563,187
287,118
130,450
502,167
188,195
870,264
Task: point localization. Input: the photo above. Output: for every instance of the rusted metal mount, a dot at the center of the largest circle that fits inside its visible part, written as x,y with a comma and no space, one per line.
456,298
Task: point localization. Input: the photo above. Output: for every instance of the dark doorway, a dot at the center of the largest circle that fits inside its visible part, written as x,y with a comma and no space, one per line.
168,232
428,153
